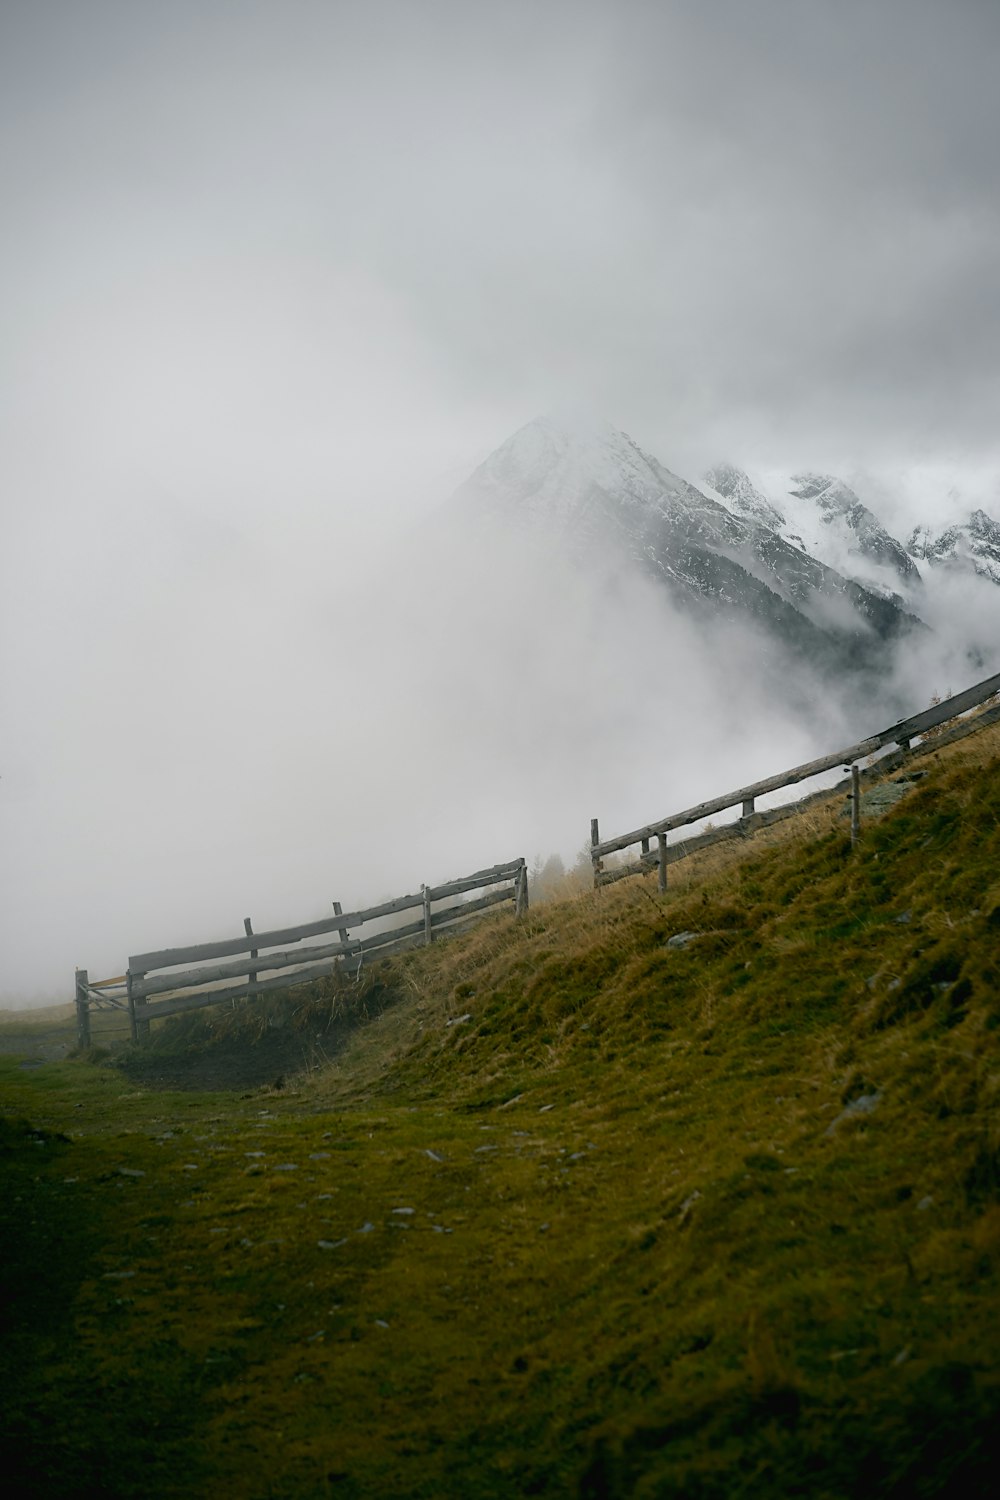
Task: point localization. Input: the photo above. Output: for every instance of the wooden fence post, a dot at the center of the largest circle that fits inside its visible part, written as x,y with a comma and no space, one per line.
338,911
521,902
595,859
748,807
252,975
855,805
661,861
428,929
82,1008
137,1028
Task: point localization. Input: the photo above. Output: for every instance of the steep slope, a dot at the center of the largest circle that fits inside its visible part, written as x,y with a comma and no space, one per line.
743,497
840,511
972,545
593,487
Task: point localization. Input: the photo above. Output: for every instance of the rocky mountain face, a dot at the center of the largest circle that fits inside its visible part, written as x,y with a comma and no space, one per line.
823,516
729,555
971,545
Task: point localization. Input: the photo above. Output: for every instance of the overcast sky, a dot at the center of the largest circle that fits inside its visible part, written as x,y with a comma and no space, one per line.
274,276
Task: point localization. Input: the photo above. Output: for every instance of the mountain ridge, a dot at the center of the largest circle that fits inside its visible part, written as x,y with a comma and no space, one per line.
591,484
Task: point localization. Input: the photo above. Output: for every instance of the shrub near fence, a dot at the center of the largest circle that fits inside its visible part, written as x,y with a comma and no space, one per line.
170,972
902,734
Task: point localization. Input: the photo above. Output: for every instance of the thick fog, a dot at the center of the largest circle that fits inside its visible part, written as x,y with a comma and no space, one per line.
276,277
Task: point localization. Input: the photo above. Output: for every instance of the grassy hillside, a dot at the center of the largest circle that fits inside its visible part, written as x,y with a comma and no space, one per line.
573,1210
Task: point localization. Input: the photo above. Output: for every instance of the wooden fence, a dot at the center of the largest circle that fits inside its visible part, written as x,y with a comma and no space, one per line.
901,734
168,972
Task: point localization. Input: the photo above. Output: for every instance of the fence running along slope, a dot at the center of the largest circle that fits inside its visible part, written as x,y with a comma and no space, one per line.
193,977
901,734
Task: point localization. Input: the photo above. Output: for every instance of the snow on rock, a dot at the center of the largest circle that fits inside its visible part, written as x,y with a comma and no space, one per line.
830,505
821,516
973,544
743,497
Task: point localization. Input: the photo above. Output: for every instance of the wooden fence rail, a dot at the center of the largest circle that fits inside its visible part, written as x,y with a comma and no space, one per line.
274,954
901,733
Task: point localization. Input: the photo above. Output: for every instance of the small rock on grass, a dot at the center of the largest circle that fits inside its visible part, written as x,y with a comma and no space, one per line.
682,939
862,1105
687,1206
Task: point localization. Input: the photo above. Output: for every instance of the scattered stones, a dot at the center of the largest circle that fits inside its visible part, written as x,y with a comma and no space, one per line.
434,1156
381,1323
902,1356
925,1203
366,1228
404,1210
904,919
286,1166
131,1172
330,1244
457,1020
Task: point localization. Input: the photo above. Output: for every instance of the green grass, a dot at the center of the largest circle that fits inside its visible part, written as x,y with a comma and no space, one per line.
647,1254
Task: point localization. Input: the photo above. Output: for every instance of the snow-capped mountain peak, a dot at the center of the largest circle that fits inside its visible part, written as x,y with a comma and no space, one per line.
547,463
822,516
599,495
742,496
973,544
841,513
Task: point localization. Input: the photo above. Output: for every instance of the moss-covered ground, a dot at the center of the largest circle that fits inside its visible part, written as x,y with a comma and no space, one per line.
572,1211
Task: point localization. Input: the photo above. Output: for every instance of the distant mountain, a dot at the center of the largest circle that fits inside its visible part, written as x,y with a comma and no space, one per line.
971,546
594,487
824,517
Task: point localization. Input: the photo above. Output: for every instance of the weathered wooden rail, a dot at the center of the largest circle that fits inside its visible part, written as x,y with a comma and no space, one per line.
901,734
193,977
